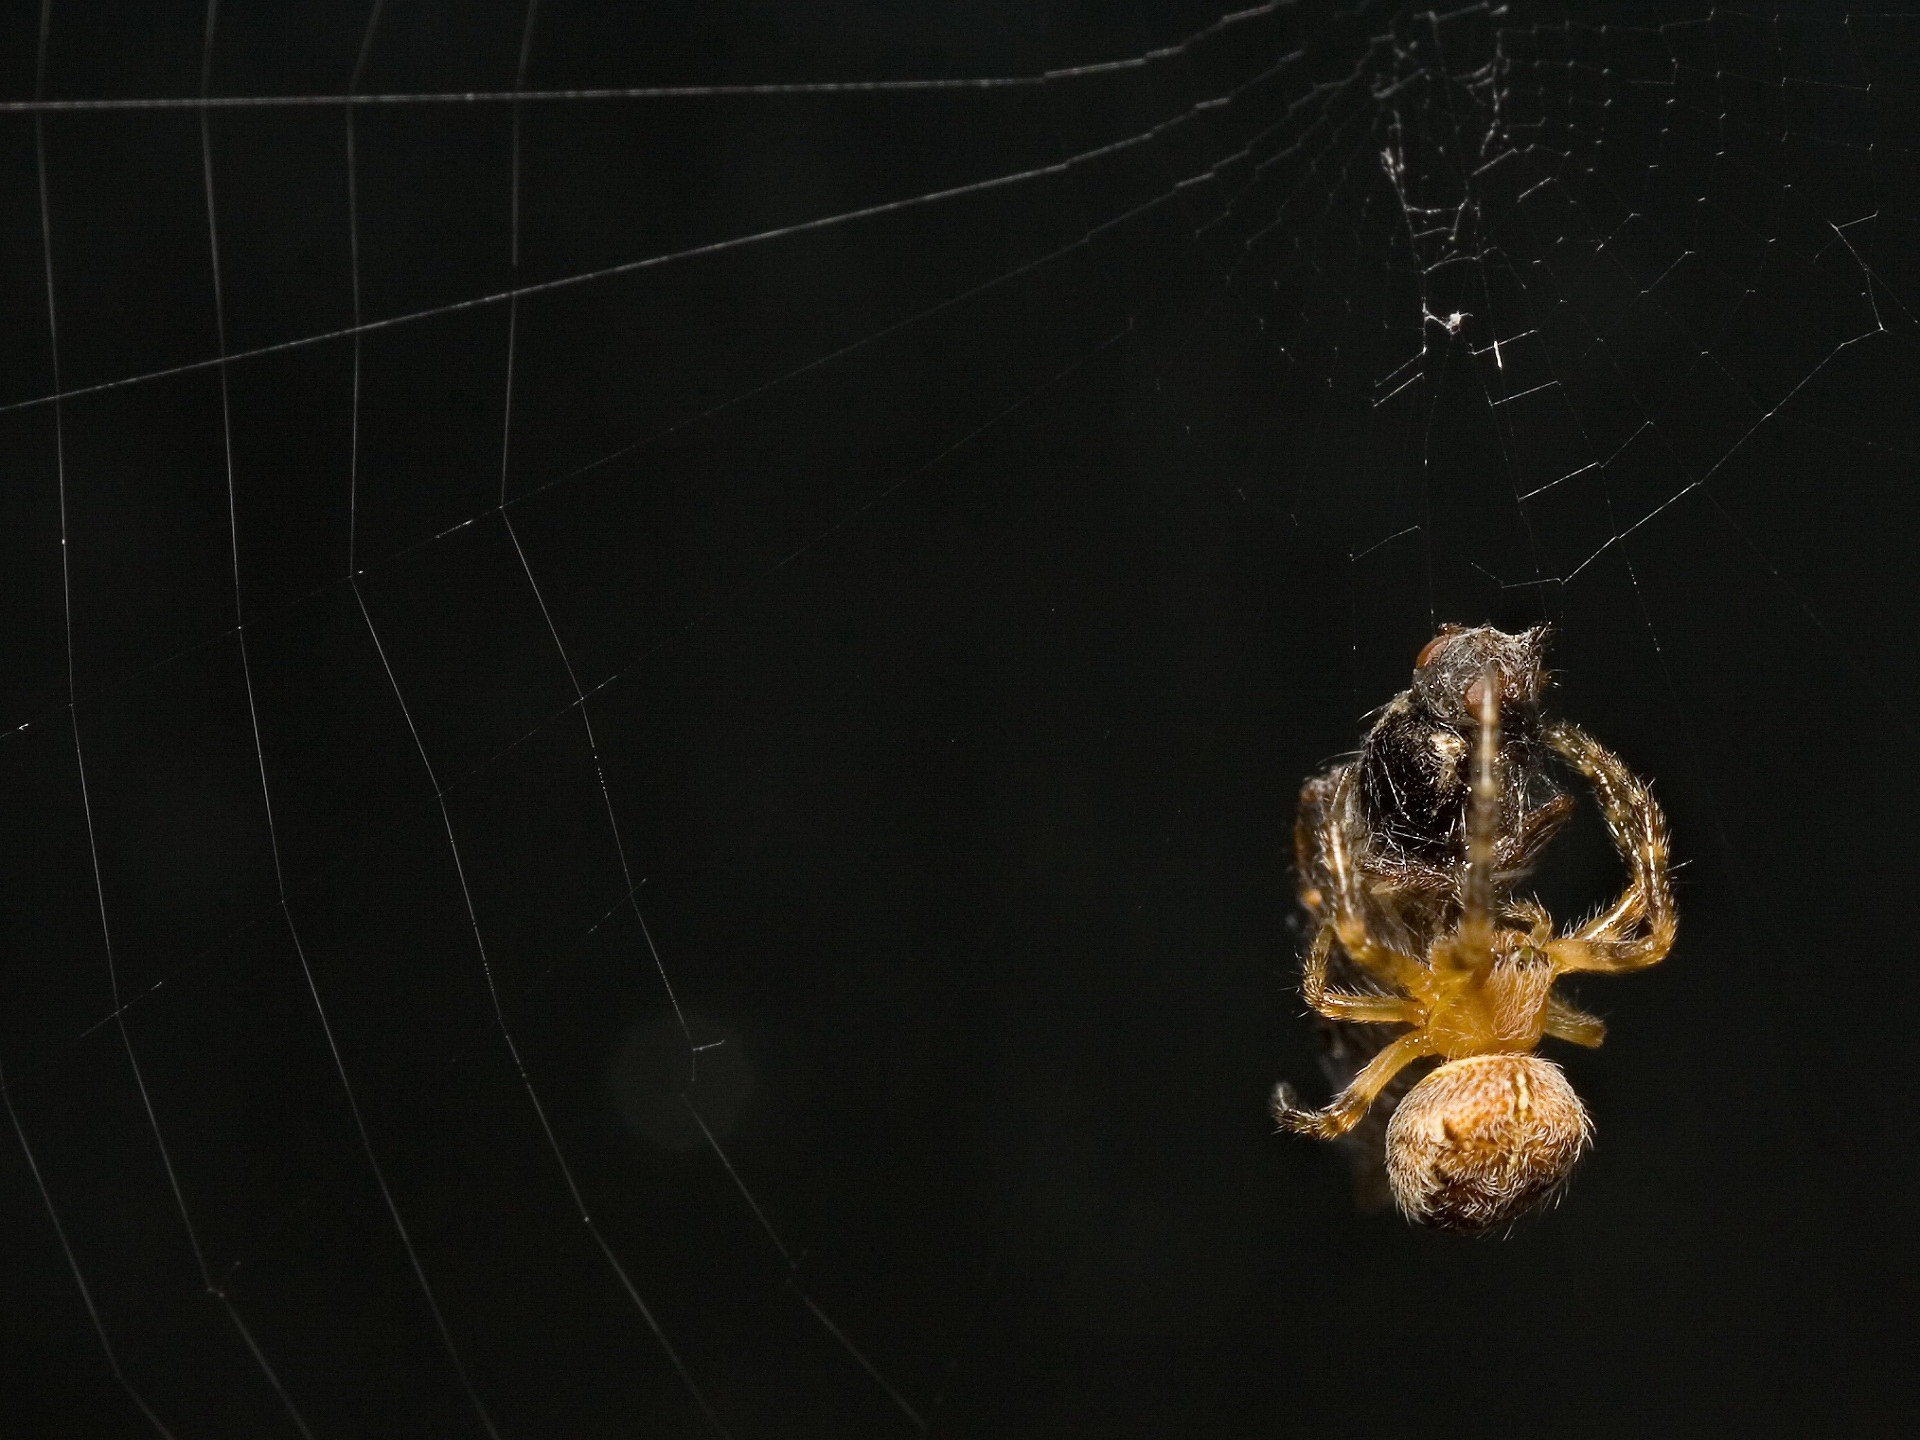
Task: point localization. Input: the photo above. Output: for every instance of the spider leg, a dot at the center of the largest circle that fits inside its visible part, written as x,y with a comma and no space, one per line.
1345,1005
1639,830
1316,800
1473,947
1617,920
1532,916
1348,911
1351,1104
1568,1022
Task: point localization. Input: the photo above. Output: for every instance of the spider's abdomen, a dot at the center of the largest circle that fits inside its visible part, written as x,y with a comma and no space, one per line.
1481,1141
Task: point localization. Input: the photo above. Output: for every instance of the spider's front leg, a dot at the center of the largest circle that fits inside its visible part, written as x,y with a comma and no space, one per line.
1309,831
1639,830
1473,939
1347,909
1352,1103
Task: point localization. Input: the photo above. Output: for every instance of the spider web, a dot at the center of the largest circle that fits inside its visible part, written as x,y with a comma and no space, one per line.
659,663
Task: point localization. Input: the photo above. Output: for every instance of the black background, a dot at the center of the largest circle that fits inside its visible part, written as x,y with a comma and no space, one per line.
951,695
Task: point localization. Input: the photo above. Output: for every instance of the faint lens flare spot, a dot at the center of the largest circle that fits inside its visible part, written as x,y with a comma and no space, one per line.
647,1081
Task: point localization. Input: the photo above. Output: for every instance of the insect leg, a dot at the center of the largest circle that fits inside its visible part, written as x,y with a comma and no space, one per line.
1537,829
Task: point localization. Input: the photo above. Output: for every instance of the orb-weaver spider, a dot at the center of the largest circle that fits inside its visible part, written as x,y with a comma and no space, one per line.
1465,967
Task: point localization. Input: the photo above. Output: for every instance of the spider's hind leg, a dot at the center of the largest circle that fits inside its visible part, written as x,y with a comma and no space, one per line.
1350,1104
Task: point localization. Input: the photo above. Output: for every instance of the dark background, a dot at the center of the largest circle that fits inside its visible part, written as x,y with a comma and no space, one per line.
959,596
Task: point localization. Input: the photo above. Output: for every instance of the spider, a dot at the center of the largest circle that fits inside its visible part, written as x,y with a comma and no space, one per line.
1424,917
1405,815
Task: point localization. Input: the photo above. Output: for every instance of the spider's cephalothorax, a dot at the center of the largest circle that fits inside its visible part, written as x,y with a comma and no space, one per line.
1414,904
